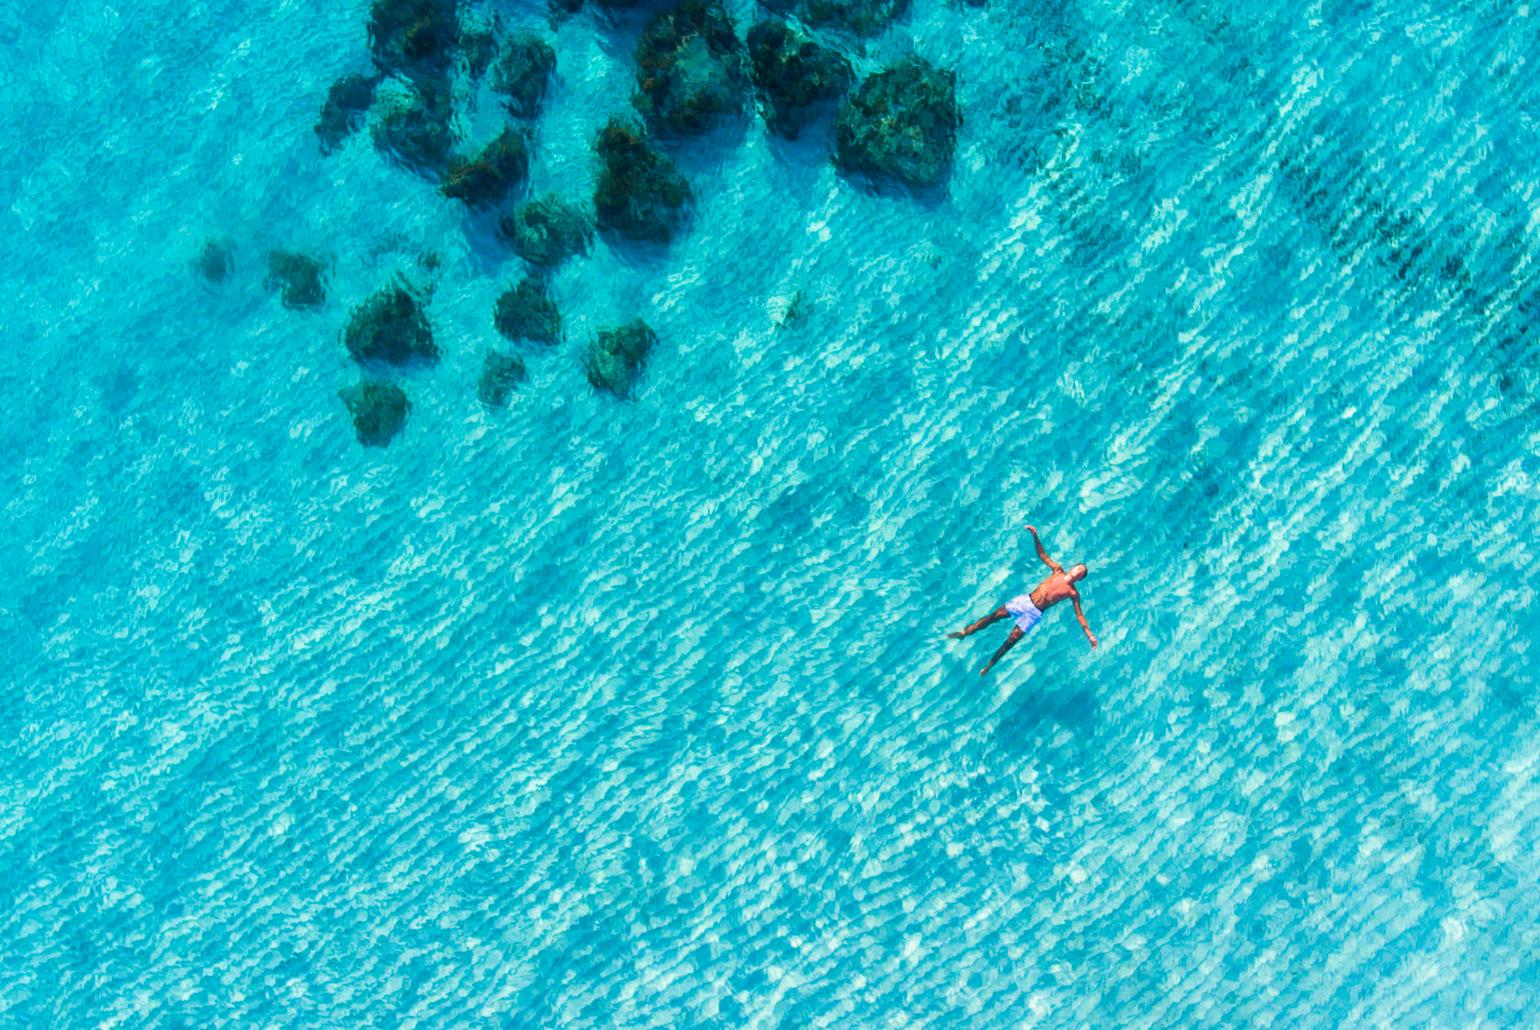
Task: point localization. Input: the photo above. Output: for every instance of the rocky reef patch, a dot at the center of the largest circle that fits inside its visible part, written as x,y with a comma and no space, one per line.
526,311
615,356
900,124
859,18
490,175
299,278
215,260
641,194
794,76
500,375
690,69
389,327
378,409
347,102
547,230
447,69
523,73
411,127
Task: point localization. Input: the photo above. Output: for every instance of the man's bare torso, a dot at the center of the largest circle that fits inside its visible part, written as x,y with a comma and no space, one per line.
1052,590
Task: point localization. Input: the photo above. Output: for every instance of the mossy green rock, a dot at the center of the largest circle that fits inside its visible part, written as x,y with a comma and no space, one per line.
523,73
615,356
492,174
478,47
415,38
500,376
860,17
901,124
412,128
794,75
526,311
857,17
640,193
378,408
215,259
298,276
546,231
390,327
689,69
343,112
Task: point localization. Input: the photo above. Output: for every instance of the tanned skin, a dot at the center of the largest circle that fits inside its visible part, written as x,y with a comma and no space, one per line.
1059,586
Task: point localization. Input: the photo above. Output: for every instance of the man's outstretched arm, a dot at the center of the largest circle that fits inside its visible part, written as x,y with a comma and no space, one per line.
1055,566
1084,624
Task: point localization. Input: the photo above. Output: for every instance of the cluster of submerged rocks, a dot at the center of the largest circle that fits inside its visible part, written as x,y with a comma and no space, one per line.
418,47
693,72
897,124
388,330
901,122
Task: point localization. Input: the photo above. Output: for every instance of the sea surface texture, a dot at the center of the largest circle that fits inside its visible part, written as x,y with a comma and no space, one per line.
593,711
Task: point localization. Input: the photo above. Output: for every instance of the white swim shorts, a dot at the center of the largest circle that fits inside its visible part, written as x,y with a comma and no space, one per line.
1025,612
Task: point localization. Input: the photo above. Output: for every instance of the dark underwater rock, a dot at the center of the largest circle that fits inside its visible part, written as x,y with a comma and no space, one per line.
546,231
615,356
343,112
857,17
390,327
794,75
299,277
415,38
500,375
689,69
526,311
412,128
215,259
378,408
900,124
478,47
491,175
640,193
523,73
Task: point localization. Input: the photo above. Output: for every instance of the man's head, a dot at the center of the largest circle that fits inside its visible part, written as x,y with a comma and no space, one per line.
1075,573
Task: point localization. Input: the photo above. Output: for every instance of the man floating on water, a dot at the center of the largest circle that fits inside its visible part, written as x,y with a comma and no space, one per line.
1028,609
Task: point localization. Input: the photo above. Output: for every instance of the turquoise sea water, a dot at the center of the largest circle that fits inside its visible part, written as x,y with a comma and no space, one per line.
639,713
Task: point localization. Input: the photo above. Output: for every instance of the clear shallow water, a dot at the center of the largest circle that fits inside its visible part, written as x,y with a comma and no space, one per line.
639,713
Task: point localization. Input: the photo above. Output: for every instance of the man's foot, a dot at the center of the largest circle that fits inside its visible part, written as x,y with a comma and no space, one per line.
956,636
984,670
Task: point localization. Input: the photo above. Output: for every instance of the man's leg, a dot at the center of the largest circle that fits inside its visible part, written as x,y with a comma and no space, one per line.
1010,642
988,620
